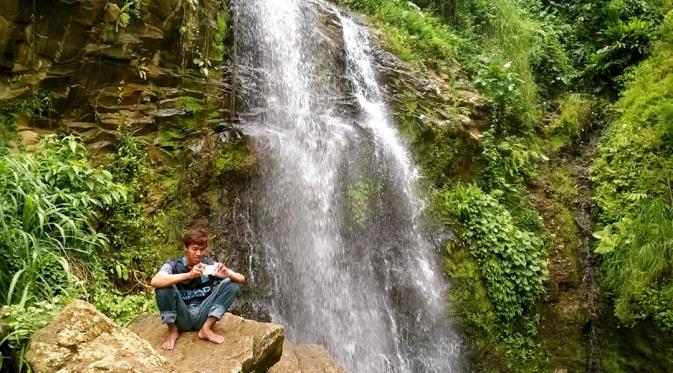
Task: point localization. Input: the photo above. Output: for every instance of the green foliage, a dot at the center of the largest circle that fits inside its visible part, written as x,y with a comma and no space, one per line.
506,163
563,183
470,299
217,44
123,308
126,225
49,242
634,157
609,36
440,148
520,51
637,263
509,32
629,43
576,113
416,36
131,9
633,192
511,262
48,205
361,194
23,321
37,102
503,88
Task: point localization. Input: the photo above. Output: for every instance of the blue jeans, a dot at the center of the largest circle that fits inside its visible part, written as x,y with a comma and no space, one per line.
173,309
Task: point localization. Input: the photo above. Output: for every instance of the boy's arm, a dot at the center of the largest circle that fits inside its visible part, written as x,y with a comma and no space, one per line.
164,280
224,272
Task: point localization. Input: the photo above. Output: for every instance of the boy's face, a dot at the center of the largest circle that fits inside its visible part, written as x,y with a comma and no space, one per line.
194,253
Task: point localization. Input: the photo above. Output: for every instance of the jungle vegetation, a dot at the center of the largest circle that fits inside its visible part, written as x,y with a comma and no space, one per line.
553,74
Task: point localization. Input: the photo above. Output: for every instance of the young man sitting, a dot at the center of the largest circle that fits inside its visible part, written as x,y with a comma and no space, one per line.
194,292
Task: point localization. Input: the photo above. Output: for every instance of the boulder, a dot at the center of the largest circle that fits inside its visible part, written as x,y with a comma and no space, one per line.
249,346
288,362
308,358
81,339
316,359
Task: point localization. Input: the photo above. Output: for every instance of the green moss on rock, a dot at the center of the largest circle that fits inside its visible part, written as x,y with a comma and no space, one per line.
235,160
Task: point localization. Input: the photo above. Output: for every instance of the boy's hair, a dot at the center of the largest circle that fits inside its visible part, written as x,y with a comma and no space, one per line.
195,236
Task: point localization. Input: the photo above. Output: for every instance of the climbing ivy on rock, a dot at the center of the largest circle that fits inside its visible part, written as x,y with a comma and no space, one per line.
512,260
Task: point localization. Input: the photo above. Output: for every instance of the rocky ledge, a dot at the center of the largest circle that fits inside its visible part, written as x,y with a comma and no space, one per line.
81,339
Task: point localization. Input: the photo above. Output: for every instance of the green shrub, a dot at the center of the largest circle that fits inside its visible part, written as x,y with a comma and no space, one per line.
633,174
637,264
506,163
49,242
511,262
130,9
23,321
123,308
48,206
503,87
576,113
37,102
520,51
608,37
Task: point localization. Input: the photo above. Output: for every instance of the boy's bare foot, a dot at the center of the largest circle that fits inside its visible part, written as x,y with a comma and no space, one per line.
207,334
171,336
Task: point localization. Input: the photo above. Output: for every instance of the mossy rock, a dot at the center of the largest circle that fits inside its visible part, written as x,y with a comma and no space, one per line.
236,160
469,301
642,348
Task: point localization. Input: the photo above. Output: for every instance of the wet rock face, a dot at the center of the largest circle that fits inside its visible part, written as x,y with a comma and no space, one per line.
81,339
442,122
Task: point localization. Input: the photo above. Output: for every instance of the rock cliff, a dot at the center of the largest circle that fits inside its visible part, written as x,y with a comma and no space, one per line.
104,67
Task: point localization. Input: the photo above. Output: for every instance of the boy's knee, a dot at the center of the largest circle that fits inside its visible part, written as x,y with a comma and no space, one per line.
234,287
164,292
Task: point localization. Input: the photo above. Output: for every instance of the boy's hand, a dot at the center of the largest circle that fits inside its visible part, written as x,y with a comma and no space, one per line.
197,271
223,271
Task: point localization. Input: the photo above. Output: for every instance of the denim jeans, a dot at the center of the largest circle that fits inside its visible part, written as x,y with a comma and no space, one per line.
173,309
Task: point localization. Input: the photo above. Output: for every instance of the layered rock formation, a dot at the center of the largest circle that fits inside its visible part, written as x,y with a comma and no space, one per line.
153,66
81,339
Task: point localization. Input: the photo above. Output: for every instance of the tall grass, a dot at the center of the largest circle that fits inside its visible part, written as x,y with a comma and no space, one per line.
511,34
633,174
639,269
48,205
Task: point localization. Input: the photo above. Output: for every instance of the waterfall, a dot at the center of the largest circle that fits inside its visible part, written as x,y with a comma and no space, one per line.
337,221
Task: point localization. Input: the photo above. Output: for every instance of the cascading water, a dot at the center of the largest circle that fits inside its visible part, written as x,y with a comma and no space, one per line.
337,222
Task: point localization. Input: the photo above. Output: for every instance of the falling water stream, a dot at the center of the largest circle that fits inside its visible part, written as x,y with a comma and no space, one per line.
337,221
